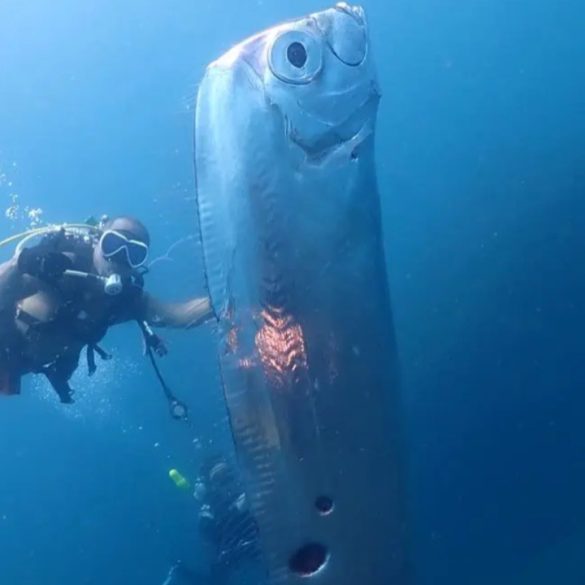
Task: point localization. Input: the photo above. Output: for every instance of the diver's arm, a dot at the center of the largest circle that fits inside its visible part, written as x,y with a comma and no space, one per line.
185,315
14,285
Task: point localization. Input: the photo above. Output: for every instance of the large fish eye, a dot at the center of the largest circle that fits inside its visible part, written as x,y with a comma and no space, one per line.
296,54
295,57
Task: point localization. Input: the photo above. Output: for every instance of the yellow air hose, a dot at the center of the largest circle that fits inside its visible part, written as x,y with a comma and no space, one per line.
46,230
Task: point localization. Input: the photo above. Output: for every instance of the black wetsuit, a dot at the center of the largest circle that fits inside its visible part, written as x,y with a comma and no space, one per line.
55,316
232,533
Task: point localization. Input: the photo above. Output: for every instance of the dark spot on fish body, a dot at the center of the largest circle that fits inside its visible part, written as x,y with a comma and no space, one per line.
324,505
309,559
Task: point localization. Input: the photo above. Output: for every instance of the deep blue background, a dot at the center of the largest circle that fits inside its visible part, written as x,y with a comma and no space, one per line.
481,162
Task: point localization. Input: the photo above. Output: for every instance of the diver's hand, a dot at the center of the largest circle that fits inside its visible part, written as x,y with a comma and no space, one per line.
48,265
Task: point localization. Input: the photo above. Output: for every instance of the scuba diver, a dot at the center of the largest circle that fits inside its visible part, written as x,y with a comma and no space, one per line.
62,294
225,524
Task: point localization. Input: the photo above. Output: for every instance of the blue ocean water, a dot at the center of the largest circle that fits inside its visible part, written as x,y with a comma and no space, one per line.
481,155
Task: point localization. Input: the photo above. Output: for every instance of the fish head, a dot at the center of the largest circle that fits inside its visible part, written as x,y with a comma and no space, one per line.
284,133
318,74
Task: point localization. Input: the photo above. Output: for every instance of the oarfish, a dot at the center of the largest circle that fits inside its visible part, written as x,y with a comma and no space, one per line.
290,221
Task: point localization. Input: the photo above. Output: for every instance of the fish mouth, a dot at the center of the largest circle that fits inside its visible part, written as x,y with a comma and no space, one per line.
347,135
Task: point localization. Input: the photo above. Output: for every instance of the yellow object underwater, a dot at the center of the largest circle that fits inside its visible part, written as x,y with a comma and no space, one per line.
179,480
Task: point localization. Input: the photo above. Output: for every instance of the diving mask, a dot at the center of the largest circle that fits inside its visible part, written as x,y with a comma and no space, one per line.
114,244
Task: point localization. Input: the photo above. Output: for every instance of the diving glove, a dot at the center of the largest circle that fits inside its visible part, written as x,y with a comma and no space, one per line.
43,265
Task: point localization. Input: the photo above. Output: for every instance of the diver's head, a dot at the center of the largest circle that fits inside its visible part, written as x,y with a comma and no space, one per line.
122,248
222,484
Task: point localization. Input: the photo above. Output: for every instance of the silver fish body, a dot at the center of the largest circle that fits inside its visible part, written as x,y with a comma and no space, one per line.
290,222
